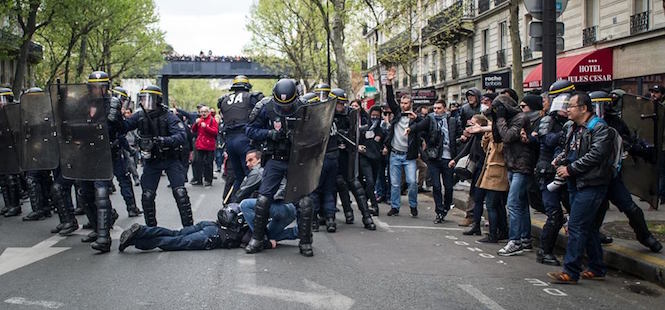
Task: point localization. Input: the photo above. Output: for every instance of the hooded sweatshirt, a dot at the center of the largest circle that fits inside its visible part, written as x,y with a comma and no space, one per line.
467,111
519,156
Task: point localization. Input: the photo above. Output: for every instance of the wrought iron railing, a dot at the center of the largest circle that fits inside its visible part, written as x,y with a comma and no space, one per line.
639,22
589,35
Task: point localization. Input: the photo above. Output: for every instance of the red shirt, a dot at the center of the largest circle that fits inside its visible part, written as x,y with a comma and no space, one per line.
207,136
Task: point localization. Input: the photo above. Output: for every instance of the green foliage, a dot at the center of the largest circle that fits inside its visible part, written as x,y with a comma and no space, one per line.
188,93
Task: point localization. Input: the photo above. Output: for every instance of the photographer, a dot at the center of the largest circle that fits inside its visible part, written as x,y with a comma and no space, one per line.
588,143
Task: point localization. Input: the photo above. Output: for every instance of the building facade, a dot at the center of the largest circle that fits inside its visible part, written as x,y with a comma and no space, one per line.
9,50
466,43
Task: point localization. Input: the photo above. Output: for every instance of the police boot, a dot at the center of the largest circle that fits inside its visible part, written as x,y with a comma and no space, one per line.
361,201
343,192
551,230
36,200
304,227
262,212
13,197
639,225
91,214
149,211
68,222
103,242
133,211
315,224
547,258
184,206
331,226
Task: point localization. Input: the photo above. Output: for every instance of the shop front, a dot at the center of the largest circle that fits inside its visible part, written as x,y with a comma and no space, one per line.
589,71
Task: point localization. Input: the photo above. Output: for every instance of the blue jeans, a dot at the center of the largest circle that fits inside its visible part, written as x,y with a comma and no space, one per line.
398,161
281,215
496,209
582,233
219,158
518,207
439,169
202,236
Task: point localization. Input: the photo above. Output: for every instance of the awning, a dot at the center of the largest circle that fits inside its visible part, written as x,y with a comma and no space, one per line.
591,67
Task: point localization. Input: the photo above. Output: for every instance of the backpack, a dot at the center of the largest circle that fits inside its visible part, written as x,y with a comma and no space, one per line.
616,158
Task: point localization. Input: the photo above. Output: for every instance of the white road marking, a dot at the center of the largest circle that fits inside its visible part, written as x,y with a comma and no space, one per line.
318,296
15,258
42,303
476,293
382,224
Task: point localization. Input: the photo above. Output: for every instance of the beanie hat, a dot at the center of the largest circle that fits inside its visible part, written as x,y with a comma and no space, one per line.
534,102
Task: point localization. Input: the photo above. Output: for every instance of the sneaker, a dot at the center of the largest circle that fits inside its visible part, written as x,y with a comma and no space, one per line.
590,275
512,248
527,245
393,211
561,278
414,212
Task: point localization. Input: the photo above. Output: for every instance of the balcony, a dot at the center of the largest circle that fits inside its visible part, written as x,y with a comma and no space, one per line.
484,63
501,58
399,44
483,6
469,67
527,54
639,22
454,71
589,35
450,25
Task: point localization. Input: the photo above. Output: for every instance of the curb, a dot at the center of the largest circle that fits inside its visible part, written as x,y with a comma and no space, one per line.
628,256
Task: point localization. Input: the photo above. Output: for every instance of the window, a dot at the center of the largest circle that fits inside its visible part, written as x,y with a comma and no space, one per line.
469,48
592,15
425,64
434,62
503,35
486,41
641,6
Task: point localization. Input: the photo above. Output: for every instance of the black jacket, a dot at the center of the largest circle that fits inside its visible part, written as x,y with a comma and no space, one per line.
413,141
454,132
520,157
595,155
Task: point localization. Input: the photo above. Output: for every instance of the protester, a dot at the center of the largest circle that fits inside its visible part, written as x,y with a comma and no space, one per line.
206,130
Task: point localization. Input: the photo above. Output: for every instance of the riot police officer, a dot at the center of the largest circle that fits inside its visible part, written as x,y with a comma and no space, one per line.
9,182
235,108
348,155
608,108
274,124
161,136
120,171
549,134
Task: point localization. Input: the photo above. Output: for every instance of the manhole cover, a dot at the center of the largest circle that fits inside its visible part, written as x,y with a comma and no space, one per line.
621,229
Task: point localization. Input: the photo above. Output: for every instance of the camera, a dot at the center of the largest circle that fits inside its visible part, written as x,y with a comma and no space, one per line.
558,181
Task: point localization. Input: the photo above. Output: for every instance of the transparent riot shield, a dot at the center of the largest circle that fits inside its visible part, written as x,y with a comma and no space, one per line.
83,136
641,168
38,136
309,139
9,152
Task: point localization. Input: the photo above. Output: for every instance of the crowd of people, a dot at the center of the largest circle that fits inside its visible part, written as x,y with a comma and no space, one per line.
558,152
203,57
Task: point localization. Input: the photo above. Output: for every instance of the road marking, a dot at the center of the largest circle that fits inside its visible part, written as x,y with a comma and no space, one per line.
42,303
317,296
547,289
486,301
382,224
15,258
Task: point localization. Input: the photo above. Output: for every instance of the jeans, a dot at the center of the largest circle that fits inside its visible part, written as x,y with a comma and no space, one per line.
582,233
219,158
281,215
496,209
202,165
201,236
518,207
398,161
439,169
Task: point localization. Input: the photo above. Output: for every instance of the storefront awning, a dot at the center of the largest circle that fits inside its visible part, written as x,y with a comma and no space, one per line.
591,67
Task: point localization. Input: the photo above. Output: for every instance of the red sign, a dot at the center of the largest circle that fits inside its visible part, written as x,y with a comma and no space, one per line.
591,67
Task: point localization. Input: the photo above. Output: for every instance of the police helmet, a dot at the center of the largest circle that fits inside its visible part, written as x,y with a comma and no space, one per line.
309,98
340,95
559,103
616,106
98,83
322,90
561,86
284,95
121,94
150,98
600,101
230,217
6,96
241,82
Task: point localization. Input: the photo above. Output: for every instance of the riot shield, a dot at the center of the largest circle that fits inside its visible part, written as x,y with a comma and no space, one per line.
83,136
9,152
309,139
38,136
641,169
354,132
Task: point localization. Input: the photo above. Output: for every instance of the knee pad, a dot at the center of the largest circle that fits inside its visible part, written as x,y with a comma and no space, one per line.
305,205
180,194
148,196
262,201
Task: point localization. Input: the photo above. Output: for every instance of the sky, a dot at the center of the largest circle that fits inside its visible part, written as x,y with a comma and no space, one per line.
192,26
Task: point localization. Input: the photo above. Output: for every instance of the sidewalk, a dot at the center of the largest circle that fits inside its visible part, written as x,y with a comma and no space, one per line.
624,254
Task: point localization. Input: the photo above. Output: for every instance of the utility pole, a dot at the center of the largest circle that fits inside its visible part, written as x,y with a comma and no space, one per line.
549,44
328,40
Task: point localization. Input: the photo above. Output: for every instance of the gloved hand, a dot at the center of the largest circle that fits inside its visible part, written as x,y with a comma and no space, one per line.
114,111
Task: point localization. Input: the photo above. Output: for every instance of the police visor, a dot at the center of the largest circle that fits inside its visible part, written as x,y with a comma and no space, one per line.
149,100
4,99
560,102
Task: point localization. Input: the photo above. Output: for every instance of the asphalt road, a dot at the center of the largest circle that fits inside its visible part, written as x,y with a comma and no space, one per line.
408,263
